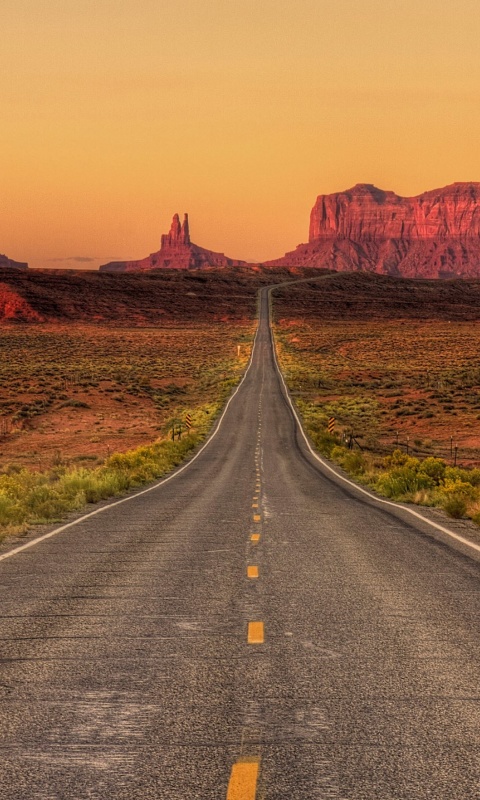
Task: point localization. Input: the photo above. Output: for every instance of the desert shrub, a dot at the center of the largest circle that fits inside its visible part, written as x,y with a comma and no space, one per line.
471,476
12,469
403,483
455,505
433,467
337,453
457,487
11,512
74,404
398,459
28,497
352,461
324,442
104,486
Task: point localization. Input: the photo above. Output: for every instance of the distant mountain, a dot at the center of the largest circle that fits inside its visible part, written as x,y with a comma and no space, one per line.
435,234
176,252
8,262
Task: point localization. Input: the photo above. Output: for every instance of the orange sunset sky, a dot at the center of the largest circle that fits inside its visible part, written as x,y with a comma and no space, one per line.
118,113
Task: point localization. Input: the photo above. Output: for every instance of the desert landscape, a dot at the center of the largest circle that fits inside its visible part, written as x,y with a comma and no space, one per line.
240,400
96,365
77,394
109,362
395,364
102,363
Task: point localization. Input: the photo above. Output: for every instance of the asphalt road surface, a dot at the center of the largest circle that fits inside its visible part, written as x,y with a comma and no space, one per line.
141,658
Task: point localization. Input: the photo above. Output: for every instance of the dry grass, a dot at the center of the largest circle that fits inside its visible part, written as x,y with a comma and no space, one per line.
403,389
390,380
88,412
79,393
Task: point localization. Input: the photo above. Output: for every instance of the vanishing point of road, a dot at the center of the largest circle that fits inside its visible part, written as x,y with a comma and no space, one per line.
251,629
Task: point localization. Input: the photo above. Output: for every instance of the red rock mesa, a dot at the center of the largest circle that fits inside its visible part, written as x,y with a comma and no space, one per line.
436,234
8,262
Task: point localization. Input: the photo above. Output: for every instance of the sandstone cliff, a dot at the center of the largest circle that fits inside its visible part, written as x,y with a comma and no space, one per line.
177,251
436,234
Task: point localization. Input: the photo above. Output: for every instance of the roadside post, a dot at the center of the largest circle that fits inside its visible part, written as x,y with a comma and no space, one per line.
176,429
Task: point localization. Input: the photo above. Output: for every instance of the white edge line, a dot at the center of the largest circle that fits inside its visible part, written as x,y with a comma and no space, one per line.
340,477
42,538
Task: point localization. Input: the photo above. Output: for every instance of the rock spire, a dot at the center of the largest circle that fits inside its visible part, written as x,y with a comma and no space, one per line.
179,234
177,251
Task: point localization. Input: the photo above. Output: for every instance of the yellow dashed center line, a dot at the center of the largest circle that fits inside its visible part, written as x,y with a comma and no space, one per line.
243,780
254,505
257,518
256,634
255,537
252,572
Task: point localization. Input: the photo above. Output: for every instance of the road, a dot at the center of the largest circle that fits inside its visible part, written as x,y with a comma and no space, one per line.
130,667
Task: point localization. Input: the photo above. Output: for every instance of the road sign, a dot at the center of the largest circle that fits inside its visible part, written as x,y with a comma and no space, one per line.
331,424
188,421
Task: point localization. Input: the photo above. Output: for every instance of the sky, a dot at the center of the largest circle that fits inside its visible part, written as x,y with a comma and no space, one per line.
118,113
